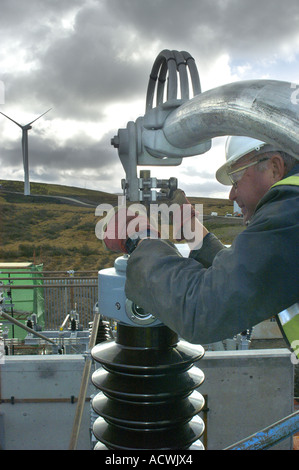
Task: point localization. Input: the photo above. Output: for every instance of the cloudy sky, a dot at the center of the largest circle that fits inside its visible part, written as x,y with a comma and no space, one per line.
90,60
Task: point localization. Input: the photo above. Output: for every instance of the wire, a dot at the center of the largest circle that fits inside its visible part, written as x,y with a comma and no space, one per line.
167,68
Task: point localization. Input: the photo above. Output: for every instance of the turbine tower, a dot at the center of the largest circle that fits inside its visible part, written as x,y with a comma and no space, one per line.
25,130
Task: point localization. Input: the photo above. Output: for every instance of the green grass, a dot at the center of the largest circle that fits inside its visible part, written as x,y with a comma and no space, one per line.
62,235
58,190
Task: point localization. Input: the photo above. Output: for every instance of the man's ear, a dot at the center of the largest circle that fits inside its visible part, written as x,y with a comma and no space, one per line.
277,166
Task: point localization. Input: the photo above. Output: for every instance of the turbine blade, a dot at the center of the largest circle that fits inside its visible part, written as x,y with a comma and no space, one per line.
12,120
38,117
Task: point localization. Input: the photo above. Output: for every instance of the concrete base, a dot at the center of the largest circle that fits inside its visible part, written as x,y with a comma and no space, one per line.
39,394
246,391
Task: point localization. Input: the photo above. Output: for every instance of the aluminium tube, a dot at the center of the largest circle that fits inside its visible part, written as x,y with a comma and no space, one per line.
264,109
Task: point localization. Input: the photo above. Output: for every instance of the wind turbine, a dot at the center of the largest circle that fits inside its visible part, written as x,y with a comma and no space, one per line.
25,130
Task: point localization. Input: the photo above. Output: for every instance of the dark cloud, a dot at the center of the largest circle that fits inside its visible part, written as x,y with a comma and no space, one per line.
77,153
82,56
208,28
82,71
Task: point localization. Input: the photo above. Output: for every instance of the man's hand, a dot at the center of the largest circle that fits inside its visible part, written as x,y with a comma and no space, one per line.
183,212
176,197
124,224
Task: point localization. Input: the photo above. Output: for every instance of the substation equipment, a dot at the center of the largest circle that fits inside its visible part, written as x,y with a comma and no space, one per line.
148,381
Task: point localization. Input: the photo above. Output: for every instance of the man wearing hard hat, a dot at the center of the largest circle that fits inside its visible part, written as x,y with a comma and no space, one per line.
218,292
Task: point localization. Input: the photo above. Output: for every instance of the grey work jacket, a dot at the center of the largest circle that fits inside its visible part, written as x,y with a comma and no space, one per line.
218,292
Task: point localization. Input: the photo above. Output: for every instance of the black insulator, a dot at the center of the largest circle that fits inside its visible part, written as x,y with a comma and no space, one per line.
148,397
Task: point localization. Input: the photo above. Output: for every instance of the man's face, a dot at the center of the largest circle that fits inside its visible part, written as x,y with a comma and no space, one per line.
253,183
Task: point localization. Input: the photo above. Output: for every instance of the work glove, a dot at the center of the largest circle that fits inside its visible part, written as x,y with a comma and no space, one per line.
125,226
183,212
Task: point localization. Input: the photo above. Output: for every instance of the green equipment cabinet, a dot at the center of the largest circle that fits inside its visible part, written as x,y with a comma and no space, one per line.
23,296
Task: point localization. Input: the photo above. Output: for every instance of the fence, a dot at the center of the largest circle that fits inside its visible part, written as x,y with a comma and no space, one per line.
64,295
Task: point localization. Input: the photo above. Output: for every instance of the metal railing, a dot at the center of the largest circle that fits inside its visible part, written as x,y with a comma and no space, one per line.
269,436
65,295
61,293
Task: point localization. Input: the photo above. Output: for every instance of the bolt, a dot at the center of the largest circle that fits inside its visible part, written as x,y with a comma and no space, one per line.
115,141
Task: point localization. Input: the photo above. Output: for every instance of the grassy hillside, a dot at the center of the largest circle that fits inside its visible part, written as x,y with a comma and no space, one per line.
60,233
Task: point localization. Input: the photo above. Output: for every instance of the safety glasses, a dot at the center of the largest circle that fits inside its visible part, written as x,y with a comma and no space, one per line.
236,175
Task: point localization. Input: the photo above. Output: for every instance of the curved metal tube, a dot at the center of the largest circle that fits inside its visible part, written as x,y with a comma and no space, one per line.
263,109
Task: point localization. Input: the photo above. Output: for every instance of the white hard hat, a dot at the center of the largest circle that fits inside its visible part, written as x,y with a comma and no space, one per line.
235,148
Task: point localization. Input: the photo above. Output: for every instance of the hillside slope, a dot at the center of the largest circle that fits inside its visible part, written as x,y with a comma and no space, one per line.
60,232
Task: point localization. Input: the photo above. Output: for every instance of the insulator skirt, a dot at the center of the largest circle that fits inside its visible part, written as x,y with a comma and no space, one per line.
148,397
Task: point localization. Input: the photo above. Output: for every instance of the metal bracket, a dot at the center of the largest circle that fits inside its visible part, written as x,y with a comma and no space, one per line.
143,142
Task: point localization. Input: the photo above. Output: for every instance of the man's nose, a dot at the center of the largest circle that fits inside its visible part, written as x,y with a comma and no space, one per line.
232,194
